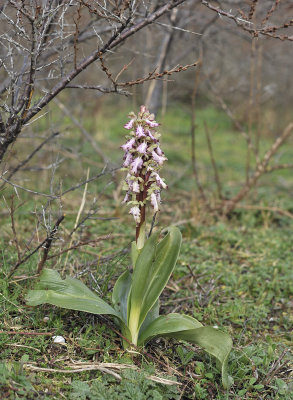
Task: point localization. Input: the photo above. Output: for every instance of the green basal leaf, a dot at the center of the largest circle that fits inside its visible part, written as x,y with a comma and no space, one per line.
134,253
151,316
69,293
141,237
166,324
214,342
153,268
120,294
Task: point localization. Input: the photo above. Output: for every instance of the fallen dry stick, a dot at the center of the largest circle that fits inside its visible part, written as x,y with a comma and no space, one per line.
102,367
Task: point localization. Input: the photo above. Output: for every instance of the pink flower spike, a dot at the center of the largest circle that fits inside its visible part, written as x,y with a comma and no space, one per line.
158,159
136,164
139,131
135,211
128,145
142,148
129,124
154,202
128,160
152,124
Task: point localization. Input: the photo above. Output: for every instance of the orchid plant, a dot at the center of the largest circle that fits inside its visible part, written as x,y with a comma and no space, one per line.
135,297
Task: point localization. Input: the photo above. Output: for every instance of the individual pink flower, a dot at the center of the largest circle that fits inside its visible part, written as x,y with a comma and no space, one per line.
139,131
125,200
129,124
154,202
128,160
157,158
135,187
142,148
160,181
159,151
128,145
151,136
152,124
136,164
135,211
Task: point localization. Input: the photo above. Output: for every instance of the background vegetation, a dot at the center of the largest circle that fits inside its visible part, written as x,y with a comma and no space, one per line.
219,120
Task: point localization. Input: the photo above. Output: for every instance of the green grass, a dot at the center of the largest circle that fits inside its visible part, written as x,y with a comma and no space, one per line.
235,273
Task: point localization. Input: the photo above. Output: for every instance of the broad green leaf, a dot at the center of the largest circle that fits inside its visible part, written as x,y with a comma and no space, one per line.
121,293
167,324
152,315
134,253
214,342
153,268
69,293
141,238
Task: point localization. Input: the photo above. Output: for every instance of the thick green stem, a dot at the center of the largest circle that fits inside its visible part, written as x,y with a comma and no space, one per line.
133,325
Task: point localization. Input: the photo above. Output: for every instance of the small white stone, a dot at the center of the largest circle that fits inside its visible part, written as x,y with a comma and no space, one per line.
58,339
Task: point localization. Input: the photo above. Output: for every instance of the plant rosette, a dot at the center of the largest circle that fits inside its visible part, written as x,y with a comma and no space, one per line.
135,296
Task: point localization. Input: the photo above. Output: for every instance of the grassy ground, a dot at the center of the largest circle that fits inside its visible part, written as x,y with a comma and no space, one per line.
235,273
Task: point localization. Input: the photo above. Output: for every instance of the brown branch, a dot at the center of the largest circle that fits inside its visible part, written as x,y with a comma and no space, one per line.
54,197
234,120
252,9
107,71
192,131
264,208
158,75
85,133
76,33
26,160
47,245
277,167
23,260
244,24
259,170
27,98
275,368
27,333
99,88
120,36
80,244
213,162
271,11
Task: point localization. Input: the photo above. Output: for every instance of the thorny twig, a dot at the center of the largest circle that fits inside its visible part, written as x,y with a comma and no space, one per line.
158,75
27,159
39,42
261,169
47,245
248,26
45,242
59,196
277,365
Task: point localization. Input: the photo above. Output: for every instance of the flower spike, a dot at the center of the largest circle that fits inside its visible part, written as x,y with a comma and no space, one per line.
143,160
